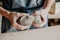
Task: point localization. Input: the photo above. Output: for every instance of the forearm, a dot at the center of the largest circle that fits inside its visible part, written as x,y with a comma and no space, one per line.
44,12
49,4
4,12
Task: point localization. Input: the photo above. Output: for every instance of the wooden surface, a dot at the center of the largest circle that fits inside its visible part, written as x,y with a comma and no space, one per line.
51,33
54,16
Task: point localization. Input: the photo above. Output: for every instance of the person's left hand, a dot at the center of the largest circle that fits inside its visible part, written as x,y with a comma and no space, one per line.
38,25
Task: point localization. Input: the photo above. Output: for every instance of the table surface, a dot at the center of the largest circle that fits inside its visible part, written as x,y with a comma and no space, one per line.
51,33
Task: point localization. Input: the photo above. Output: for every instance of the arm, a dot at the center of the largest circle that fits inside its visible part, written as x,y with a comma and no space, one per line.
45,11
4,12
12,17
7,14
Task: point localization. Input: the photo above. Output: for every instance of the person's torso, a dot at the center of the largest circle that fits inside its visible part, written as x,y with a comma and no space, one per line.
23,5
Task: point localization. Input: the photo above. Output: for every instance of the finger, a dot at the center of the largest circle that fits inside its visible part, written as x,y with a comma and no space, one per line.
21,14
20,27
36,25
17,26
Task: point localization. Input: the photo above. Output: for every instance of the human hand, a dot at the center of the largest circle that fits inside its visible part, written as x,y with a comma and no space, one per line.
38,21
14,22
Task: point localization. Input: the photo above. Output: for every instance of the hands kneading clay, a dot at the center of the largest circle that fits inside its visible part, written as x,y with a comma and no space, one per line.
27,20
23,19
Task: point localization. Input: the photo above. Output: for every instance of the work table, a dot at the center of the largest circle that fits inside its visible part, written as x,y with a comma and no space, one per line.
50,33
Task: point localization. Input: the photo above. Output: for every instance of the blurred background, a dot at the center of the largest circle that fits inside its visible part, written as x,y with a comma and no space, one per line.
53,15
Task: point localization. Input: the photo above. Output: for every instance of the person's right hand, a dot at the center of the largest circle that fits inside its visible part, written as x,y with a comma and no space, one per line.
14,18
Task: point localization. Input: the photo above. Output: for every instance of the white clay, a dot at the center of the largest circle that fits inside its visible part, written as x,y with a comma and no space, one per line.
27,20
37,19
